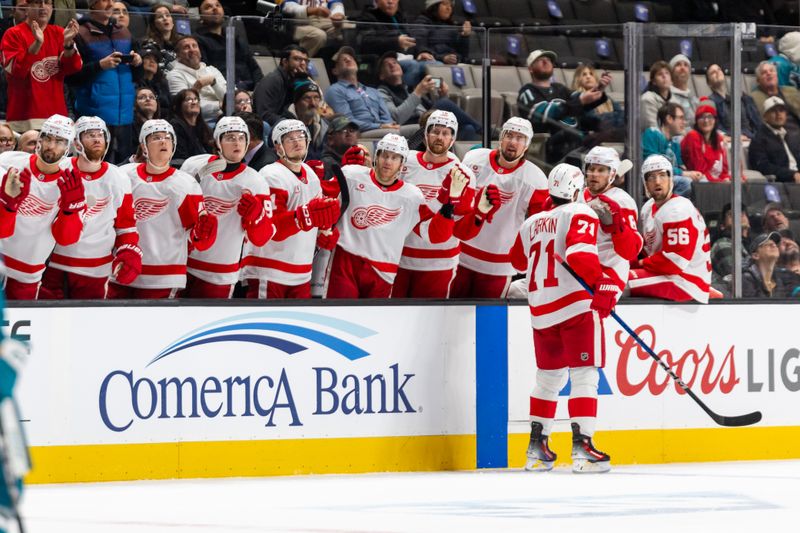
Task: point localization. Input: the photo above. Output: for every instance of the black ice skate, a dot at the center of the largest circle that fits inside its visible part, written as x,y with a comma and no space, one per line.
586,459
540,456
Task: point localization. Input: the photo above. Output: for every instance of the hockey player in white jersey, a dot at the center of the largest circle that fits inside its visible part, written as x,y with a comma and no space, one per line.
170,217
567,322
109,241
677,265
484,268
619,241
426,269
382,211
239,198
282,268
47,210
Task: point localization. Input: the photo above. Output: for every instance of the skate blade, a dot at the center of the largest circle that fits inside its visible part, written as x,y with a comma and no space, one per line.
537,465
588,467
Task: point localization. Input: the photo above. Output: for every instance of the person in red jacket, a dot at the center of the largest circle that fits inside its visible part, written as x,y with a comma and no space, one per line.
37,56
703,149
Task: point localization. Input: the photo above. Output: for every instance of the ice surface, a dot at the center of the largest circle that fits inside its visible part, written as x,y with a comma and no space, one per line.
753,497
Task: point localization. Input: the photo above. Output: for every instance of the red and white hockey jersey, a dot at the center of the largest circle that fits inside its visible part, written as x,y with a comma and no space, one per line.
107,223
569,231
33,231
166,207
523,191
677,246
617,250
220,264
379,219
287,258
418,253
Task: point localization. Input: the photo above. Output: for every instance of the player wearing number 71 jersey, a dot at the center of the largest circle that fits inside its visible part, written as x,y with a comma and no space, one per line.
567,321
678,262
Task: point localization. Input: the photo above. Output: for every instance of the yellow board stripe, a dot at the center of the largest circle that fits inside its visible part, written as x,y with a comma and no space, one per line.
125,462
675,445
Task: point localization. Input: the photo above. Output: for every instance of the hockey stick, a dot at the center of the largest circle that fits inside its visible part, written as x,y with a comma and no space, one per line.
343,190
729,421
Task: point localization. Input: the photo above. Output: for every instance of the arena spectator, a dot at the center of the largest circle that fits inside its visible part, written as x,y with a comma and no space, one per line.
406,107
189,72
681,72
146,107
37,56
242,101
751,119
258,153
361,104
174,6
342,135
211,38
104,86
192,135
703,148
436,31
63,12
661,140
162,34
774,150
8,140
307,101
315,22
27,141
722,248
154,79
273,94
119,10
774,218
554,109
658,93
767,85
758,278
609,114
13,16
787,62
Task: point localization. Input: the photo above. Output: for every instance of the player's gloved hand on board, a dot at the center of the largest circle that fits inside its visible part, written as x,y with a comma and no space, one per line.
72,194
127,264
327,238
605,294
15,188
204,232
318,167
355,155
454,187
489,203
251,209
609,213
318,213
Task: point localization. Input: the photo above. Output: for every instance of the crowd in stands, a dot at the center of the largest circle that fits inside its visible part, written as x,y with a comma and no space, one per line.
85,59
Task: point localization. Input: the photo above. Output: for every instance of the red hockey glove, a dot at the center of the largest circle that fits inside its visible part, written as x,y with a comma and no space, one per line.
318,213
327,238
127,263
489,202
355,155
250,208
72,195
204,232
605,295
610,214
15,188
318,167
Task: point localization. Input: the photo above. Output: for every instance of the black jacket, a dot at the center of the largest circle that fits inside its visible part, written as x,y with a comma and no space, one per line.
273,96
188,139
263,157
440,38
753,283
767,154
212,48
381,38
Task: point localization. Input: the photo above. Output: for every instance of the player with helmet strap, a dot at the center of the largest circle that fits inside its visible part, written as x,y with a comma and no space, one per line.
170,217
567,322
240,200
677,262
619,241
42,206
282,267
383,210
109,241
426,269
511,189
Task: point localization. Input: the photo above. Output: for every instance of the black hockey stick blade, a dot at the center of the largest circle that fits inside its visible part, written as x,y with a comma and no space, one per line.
728,421
343,190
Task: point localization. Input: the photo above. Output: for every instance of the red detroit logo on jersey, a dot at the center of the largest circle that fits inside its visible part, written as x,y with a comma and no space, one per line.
218,206
430,191
147,208
373,215
505,197
33,206
96,206
42,70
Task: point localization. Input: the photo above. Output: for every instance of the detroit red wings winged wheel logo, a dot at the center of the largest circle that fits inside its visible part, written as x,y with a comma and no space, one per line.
430,191
95,206
505,197
218,207
147,208
33,206
373,216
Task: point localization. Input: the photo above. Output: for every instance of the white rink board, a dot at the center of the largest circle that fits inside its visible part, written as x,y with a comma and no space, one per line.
76,350
725,347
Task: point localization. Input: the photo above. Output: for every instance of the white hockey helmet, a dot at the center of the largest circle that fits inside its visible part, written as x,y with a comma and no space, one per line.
59,126
287,126
518,125
605,156
231,124
442,118
84,124
155,126
394,143
565,181
656,162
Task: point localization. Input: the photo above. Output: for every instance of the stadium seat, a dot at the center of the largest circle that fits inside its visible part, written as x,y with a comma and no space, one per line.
600,51
137,26
482,16
598,11
560,44
267,64
541,10
710,197
518,13
505,80
793,195
634,11
507,48
651,51
670,46
700,86
712,51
